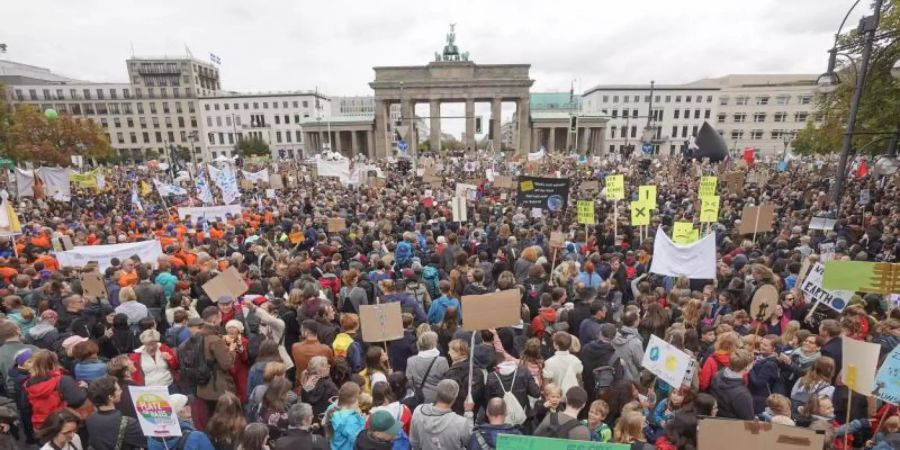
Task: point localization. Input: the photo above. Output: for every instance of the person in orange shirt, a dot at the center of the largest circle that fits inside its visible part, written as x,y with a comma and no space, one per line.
41,240
50,263
8,270
128,276
215,232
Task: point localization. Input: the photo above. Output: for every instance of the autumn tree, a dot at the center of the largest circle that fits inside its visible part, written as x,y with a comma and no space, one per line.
4,120
252,146
33,137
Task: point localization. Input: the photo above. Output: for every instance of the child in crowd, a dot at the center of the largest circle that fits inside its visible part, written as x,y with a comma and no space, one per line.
550,402
600,431
778,410
667,407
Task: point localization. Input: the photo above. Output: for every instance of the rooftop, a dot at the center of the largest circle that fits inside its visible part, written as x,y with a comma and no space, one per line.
233,94
713,84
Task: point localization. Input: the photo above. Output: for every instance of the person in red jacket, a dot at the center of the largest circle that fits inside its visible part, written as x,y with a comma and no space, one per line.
726,344
49,389
156,363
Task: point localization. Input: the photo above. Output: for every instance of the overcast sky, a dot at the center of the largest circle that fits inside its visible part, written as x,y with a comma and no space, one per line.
333,44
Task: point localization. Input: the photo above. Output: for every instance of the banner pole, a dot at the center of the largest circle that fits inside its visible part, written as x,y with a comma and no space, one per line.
847,420
615,220
471,365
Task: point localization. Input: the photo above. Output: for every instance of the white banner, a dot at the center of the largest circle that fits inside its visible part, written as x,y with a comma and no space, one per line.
460,209
165,189
536,156
25,182
56,183
210,212
261,176
667,362
148,251
696,260
812,287
154,411
340,169
227,183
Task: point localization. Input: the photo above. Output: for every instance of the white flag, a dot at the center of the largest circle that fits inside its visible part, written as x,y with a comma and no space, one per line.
165,189
135,199
696,260
203,191
228,184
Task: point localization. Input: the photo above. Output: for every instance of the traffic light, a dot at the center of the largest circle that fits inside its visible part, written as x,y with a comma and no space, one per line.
573,124
478,125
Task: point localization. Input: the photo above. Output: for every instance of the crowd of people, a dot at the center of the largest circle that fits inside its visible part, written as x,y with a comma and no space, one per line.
284,365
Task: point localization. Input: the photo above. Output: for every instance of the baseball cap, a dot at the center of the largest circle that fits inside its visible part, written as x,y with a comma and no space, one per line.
225,299
384,422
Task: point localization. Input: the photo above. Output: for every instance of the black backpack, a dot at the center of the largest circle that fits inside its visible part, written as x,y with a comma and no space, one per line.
559,431
606,375
195,368
255,338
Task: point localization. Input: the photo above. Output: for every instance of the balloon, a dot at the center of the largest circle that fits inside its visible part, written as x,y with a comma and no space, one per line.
51,114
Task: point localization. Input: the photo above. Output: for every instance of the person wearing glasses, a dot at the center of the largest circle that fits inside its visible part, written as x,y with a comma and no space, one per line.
60,431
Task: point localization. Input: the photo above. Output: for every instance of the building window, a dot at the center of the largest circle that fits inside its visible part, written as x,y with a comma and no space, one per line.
274,105
120,137
677,99
764,100
674,131
180,122
759,117
612,148
221,138
277,119
206,106
208,121
87,93
709,99
694,130
265,105
126,93
625,113
612,132
216,106
684,131
146,137
218,121
804,99
756,135
287,119
677,113
296,118
165,107
114,108
299,137
278,136
742,100
740,117
227,121
783,99
152,107
615,113
687,99
706,114
89,109
155,121
236,106
723,101
226,106
133,137
668,99
169,123
212,138
287,136
129,122
117,122
615,99
231,138
178,108
255,105
800,116
697,113
737,134
633,131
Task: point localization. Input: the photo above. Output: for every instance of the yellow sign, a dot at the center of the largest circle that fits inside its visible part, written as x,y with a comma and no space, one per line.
709,209
647,195
585,212
615,187
708,186
684,233
851,378
526,186
84,180
640,214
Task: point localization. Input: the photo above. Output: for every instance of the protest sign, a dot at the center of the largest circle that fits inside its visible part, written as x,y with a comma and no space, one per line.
495,310
148,251
665,361
887,381
647,195
708,186
859,363
762,306
154,411
504,182
63,242
225,284
548,193
92,284
381,322
718,434
709,209
615,187
822,223
812,287
876,278
209,212
696,260
557,239
460,209
640,214
336,224
523,442
734,182
270,193
466,190
275,181
585,212
683,232
756,219
865,196
590,186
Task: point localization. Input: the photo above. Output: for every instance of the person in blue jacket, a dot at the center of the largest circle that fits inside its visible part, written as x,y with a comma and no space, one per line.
440,304
190,438
395,292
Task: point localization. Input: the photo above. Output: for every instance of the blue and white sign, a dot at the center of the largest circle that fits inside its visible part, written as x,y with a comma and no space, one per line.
403,146
647,148
887,380
812,287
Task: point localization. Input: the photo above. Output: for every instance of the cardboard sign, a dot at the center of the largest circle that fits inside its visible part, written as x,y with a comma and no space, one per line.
812,287
275,181
589,186
859,363
336,224
718,434
640,214
887,381
667,362
822,223
708,186
615,187
763,304
381,322
734,182
432,179
225,284
709,209
585,212
557,239
523,442
757,219
647,195
499,309
154,411
246,184
270,193
504,182
92,284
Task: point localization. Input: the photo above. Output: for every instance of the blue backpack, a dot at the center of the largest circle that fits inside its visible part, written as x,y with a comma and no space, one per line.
431,278
404,254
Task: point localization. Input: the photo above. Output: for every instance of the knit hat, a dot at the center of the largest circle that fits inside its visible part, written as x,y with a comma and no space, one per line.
384,422
72,341
148,336
235,324
23,356
178,402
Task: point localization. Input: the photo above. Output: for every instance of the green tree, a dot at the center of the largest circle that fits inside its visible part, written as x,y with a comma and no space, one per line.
5,120
32,137
880,103
151,154
182,153
253,146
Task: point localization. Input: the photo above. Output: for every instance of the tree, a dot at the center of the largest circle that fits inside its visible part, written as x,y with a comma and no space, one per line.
182,153
252,146
32,137
151,154
879,106
5,120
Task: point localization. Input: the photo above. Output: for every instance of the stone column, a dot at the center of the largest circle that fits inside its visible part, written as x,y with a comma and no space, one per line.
524,117
354,144
536,136
379,135
496,119
370,144
408,120
434,110
470,125
322,141
551,141
336,146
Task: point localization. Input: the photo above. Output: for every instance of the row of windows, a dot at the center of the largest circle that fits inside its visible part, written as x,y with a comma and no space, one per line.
158,137
115,109
658,114
657,98
256,120
265,105
760,117
757,135
99,94
288,137
765,99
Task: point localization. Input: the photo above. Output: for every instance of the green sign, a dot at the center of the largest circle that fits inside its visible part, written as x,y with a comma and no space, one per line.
520,442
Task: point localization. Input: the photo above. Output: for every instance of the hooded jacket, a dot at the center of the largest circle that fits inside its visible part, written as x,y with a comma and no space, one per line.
545,317
43,335
439,429
628,345
346,424
733,398
489,433
47,394
593,355
367,441
459,372
523,386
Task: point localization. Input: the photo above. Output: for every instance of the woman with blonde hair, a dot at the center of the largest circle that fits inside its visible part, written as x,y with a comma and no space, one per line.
692,313
788,339
726,344
128,305
629,429
816,383
156,362
527,259
316,386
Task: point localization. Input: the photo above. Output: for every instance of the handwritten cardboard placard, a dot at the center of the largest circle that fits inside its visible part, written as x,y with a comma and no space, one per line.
557,239
225,284
718,434
504,182
381,322
275,181
336,224
757,219
859,364
495,310
92,284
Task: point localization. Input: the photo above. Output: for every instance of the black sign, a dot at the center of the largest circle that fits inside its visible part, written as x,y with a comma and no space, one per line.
546,193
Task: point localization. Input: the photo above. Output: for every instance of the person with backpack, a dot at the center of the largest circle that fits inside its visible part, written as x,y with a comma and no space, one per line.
432,275
442,303
346,346
484,436
565,425
107,427
726,344
351,295
513,384
190,439
765,377
816,383
629,347
601,370
436,427
427,368
394,292
49,389
211,360
414,287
